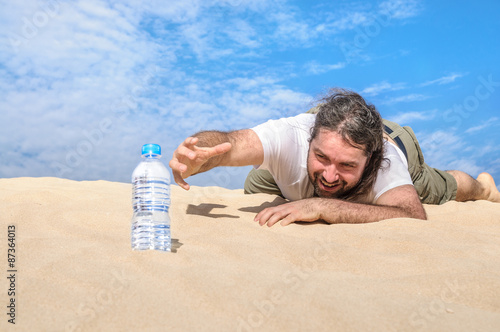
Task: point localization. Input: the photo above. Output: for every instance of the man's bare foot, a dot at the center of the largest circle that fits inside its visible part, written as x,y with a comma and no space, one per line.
489,183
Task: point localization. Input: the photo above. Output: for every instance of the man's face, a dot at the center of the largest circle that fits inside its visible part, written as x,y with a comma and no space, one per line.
334,166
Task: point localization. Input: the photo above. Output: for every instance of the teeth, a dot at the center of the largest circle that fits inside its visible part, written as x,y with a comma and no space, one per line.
327,184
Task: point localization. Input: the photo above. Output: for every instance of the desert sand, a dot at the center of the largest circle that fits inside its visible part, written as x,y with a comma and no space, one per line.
75,271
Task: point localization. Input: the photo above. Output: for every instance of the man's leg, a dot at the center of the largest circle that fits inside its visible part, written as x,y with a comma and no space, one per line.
261,181
468,189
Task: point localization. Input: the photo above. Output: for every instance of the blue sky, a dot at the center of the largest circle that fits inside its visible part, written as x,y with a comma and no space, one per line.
85,83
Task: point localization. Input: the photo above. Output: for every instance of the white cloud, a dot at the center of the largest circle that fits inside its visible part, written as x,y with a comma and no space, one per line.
381,87
290,28
345,20
246,83
75,89
202,41
405,99
315,68
356,17
401,9
485,149
409,117
178,12
366,24
444,80
468,166
241,32
448,150
263,103
440,148
491,122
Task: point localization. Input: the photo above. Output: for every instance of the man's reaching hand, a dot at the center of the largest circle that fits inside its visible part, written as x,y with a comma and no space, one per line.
189,159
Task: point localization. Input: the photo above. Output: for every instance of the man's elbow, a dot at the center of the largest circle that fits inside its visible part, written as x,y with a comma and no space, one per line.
422,216
414,212
419,214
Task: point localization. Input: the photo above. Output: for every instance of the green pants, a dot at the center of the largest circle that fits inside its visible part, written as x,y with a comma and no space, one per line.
433,186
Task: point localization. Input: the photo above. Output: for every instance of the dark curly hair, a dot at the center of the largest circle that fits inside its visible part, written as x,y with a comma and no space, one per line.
360,125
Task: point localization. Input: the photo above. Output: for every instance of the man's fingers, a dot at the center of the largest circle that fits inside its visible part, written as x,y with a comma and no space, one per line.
276,217
186,149
258,217
287,220
190,141
270,216
263,216
180,181
183,184
218,149
285,214
192,152
176,166
188,158
177,170
187,152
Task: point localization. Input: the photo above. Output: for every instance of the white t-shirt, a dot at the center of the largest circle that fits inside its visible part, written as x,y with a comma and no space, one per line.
286,145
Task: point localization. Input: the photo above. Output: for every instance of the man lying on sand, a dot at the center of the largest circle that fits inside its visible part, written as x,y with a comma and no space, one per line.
342,165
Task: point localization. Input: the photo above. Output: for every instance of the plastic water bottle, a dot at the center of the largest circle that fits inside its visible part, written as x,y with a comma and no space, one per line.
151,201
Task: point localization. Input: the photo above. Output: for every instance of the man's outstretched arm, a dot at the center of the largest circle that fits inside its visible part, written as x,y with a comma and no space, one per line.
400,202
209,149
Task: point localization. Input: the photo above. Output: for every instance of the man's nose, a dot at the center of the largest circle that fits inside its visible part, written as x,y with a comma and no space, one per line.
330,174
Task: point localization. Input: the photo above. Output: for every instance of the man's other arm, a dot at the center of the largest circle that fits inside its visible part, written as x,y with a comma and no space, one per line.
400,202
208,149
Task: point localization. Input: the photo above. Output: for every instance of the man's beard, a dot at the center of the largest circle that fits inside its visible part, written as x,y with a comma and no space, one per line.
318,192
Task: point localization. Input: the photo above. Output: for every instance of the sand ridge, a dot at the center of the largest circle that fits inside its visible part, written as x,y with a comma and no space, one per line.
76,271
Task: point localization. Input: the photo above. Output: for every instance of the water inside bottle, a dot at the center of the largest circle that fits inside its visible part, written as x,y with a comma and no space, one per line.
151,222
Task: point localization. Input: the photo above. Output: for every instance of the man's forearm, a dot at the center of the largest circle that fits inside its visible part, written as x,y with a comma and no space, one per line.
246,148
399,202
337,211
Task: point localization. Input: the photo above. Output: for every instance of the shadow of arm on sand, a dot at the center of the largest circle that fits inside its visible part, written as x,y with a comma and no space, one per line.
256,209
205,209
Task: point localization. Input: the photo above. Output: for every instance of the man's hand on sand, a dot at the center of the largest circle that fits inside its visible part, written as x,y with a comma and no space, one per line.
302,210
189,158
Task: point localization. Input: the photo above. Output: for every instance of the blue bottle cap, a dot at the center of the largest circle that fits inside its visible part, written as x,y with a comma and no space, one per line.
151,149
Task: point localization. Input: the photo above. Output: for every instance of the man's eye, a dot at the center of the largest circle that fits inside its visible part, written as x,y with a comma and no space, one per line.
320,156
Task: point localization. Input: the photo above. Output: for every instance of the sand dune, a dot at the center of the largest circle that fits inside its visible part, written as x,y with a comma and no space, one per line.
75,270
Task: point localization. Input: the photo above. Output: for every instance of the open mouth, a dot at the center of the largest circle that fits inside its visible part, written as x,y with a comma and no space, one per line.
328,185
